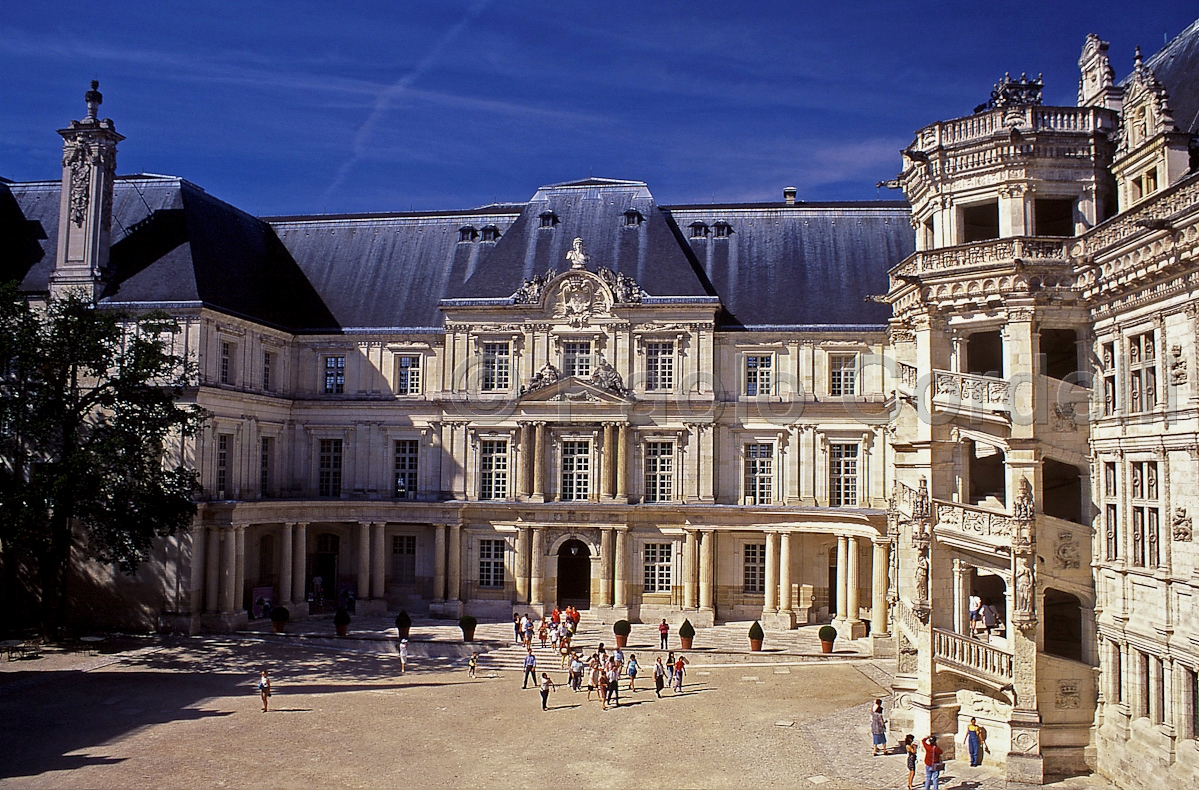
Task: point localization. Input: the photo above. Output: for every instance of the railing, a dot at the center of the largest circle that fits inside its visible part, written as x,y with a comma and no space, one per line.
973,520
984,124
908,619
909,376
974,657
906,498
966,389
982,253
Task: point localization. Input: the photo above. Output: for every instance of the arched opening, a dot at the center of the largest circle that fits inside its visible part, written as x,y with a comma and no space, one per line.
1062,485
324,568
991,590
984,354
574,574
988,475
1063,624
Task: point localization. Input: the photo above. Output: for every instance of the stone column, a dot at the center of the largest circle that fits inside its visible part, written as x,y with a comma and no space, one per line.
842,572
622,463
522,565
439,562
454,563
852,602
691,569
239,580
707,549
620,561
299,565
212,573
607,539
538,494
772,574
198,568
961,616
611,458
878,604
522,468
379,561
228,568
364,560
785,572
537,582
285,552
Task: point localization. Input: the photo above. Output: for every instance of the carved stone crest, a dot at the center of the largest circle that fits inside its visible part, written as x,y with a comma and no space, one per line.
1068,696
578,301
624,288
1180,526
531,291
1067,555
1064,418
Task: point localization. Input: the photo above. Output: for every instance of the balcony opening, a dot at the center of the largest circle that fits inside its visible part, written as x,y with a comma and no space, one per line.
1063,624
1060,350
1053,216
988,474
1062,490
980,222
984,354
991,591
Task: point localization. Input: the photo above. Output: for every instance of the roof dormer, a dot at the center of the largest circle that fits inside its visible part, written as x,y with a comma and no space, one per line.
1152,154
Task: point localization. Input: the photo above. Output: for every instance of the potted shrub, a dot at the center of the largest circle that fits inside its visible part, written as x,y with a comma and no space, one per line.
279,618
341,619
403,624
828,635
622,628
468,623
686,634
756,636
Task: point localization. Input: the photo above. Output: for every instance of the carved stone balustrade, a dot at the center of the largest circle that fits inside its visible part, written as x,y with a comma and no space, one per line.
908,377
1028,249
975,523
972,658
910,619
968,392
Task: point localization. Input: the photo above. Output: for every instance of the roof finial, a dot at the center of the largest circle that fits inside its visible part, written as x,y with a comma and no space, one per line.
1136,59
94,99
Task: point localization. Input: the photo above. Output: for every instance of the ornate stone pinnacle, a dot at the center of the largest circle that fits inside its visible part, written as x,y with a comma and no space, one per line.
94,99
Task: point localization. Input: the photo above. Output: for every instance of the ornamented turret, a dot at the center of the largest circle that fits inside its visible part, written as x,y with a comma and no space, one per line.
89,162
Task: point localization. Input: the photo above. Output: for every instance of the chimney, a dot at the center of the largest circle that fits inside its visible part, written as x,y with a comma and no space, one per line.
789,195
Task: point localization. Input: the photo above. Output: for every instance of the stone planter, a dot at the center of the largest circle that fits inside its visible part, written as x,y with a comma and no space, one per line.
621,640
826,647
755,645
685,642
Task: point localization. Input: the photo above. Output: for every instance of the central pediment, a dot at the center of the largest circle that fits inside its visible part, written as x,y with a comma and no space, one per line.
573,390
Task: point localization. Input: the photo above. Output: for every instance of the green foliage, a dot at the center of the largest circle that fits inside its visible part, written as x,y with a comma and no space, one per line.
755,631
280,614
687,630
89,420
341,616
828,633
467,622
622,628
403,620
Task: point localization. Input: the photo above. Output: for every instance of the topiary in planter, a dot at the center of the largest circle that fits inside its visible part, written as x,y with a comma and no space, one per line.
828,635
468,623
756,632
403,624
279,617
622,629
686,634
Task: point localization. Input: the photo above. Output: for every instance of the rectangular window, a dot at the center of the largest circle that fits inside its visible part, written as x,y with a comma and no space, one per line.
407,375
759,473
264,466
1108,373
1109,479
491,563
1111,526
407,456
266,371
497,367
1146,515
755,568
659,366
1143,691
1192,691
223,443
403,559
657,567
335,375
329,481
493,469
659,471
843,475
576,359
576,470
843,374
759,378
226,363
1118,671
1142,373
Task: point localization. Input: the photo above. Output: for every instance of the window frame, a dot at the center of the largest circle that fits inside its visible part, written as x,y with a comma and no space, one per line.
657,568
838,386
1107,373
494,468
403,561
753,569
1142,372
333,375
409,379
575,363
492,555
224,449
660,373
758,472
1145,503
225,371
850,481
330,479
266,453
754,372
408,469
656,478
267,357
570,474
495,366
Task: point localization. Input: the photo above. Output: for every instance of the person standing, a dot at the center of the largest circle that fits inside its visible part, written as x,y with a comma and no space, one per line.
878,729
976,738
680,665
989,618
614,683
530,668
403,656
547,685
663,635
659,677
516,626
633,669
933,763
909,748
472,666
670,668
976,605
264,689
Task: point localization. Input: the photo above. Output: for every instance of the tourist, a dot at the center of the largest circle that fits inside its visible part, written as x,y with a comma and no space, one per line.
601,685
614,683
663,635
547,686
403,656
679,670
632,672
516,626
990,618
543,632
878,728
264,689
593,679
976,739
976,605
576,671
909,748
472,666
528,624
659,677
530,668
670,667
618,655
933,763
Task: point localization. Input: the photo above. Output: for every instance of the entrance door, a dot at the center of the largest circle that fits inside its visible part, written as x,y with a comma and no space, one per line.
324,567
574,575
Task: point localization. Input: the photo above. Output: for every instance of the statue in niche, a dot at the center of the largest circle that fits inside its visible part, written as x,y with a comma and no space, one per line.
922,579
606,377
1024,589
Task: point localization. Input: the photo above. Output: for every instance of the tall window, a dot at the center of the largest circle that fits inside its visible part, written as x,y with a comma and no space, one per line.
759,374
1108,362
1111,510
657,567
329,481
1192,692
759,473
1146,515
576,470
265,451
659,471
403,559
408,375
1118,670
755,568
335,375
491,563
843,475
223,442
659,365
267,359
493,469
407,456
843,374
1142,373
226,363
576,359
497,366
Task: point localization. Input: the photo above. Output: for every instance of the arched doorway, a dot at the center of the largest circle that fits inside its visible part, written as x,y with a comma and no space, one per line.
574,574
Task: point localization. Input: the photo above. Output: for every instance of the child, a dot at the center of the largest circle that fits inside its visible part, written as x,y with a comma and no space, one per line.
472,666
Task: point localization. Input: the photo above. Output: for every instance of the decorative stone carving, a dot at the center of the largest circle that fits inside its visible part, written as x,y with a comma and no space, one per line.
1067,556
921,578
1015,93
580,300
1024,613
532,290
1067,696
577,256
606,377
81,175
1178,366
909,658
1180,525
575,397
546,376
1024,518
624,288
1064,418
1025,741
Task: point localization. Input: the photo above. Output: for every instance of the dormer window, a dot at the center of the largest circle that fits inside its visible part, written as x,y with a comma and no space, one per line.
699,230
490,233
549,219
722,230
467,233
633,218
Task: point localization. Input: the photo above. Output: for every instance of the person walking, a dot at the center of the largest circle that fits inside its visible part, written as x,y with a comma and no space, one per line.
530,668
614,683
670,668
602,687
663,635
976,739
680,665
633,669
547,686
403,656
878,729
933,763
659,677
990,618
516,627
472,666
909,748
264,689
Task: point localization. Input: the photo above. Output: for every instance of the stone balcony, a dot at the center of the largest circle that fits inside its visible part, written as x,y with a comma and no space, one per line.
950,261
963,655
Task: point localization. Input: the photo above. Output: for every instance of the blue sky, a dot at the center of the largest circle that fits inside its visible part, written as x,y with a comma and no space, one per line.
304,107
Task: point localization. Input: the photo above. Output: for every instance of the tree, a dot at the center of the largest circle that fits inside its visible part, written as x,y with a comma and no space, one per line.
89,400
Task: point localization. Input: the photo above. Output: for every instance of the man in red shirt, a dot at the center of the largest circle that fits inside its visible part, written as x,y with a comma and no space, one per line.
663,632
933,763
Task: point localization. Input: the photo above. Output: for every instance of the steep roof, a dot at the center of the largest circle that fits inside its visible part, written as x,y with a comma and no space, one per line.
1177,66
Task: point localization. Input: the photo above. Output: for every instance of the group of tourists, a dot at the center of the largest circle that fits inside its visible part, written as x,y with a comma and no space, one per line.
934,757
984,617
557,628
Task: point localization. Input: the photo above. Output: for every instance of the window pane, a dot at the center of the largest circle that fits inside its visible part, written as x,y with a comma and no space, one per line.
407,457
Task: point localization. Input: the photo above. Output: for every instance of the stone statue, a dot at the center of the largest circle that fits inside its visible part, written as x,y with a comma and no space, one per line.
1181,525
546,376
578,257
531,290
1024,589
922,579
1022,509
606,377
624,288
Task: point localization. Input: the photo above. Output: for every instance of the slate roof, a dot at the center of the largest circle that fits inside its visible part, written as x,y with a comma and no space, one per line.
1177,66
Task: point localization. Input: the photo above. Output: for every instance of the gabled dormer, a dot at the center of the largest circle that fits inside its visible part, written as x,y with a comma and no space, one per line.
1151,153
